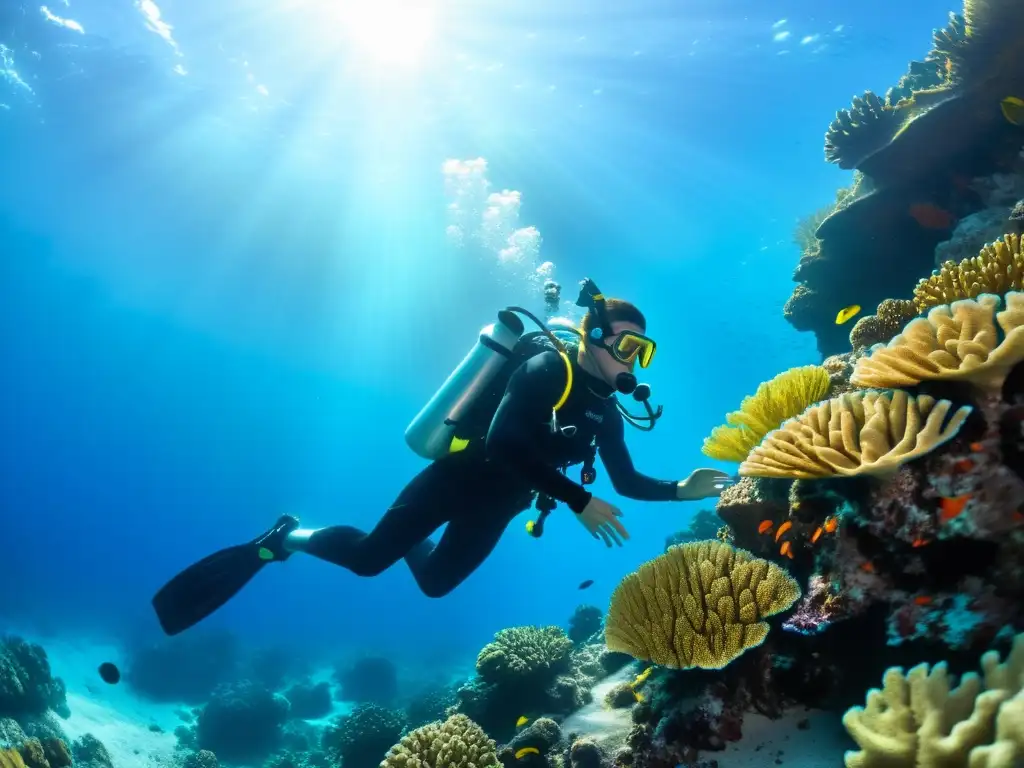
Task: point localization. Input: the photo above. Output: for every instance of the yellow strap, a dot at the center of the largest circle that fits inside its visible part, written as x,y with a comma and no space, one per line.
598,297
457,444
568,380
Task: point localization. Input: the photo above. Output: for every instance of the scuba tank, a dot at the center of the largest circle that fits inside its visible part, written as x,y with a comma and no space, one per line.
432,431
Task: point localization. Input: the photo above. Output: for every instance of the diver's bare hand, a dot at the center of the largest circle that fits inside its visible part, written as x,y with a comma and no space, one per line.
602,520
703,484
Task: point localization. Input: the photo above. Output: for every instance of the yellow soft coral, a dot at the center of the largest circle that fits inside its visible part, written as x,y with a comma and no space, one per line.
857,433
785,396
998,268
457,742
11,758
919,719
955,342
700,604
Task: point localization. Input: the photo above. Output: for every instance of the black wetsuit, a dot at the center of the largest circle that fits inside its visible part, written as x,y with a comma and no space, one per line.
478,491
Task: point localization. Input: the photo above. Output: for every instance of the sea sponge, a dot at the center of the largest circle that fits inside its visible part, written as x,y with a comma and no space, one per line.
457,742
524,652
782,398
857,433
919,719
955,342
700,604
879,328
856,132
998,268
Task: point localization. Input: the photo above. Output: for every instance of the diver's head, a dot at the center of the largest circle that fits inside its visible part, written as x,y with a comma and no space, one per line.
613,345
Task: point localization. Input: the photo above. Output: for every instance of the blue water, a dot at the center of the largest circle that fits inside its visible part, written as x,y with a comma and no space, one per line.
226,286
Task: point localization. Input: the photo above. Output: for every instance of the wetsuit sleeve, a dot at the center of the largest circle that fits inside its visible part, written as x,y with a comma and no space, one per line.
611,446
532,391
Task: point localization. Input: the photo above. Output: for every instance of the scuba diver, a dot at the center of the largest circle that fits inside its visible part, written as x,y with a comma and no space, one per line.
500,433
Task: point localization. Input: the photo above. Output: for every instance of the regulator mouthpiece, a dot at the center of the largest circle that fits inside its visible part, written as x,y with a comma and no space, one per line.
626,384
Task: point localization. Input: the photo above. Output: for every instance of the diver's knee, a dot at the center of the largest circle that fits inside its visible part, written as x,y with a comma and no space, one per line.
367,569
436,589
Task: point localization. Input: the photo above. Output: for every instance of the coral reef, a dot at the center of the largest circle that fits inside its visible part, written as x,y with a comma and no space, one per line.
372,679
920,718
27,685
524,652
241,722
926,154
457,742
959,342
775,401
889,319
429,704
698,605
89,752
854,434
585,622
997,268
363,738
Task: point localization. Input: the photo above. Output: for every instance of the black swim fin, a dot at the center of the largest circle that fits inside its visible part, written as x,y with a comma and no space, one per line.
205,586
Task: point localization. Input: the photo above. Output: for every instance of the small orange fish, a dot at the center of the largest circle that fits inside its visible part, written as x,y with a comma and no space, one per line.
930,216
867,567
782,529
964,465
923,600
977,446
920,543
816,535
786,549
952,507
830,525
765,526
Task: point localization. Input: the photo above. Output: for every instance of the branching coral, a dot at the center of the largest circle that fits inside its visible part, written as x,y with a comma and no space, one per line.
879,328
856,132
855,434
919,718
457,742
783,397
955,342
698,605
998,268
523,652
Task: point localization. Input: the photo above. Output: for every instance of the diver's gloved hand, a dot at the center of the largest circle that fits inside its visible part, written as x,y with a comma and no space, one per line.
703,484
601,519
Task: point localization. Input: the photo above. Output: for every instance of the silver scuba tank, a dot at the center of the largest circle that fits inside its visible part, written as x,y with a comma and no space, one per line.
430,434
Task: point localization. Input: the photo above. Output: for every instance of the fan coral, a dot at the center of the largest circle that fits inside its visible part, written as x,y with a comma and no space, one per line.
918,718
956,342
698,605
783,397
879,328
858,131
998,268
524,652
855,434
457,742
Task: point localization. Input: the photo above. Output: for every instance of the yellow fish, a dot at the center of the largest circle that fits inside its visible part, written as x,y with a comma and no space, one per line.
638,696
642,677
523,720
521,753
847,313
1013,110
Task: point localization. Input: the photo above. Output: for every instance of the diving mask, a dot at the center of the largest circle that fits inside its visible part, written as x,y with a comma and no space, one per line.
627,347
